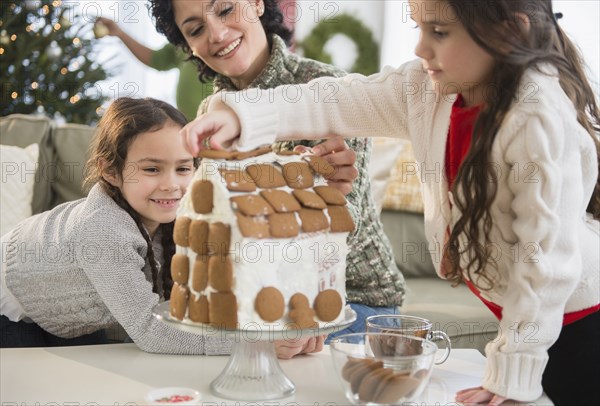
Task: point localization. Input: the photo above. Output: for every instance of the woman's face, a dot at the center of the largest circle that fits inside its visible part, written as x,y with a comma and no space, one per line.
226,34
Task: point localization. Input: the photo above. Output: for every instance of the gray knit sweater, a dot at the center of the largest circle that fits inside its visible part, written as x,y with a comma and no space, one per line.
82,267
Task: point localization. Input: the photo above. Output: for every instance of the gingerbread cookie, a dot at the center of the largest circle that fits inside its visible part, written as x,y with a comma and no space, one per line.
394,387
298,175
283,225
253,227
252,205
328,305
181,231
266,176
309,199
220,273
198,237
358,373
202,196
280,200
269,304
200,275
369,386
331,195
180,268
198,308
255,152
301,313
178,302
219,238
287,152
238,181
313,220
320,165
222,311
341,220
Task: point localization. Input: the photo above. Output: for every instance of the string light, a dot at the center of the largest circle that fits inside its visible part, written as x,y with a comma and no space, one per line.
46,9
13,37
64,71
1,51
34,85
56,3
29,28
74,99
14,95
56,27
76,41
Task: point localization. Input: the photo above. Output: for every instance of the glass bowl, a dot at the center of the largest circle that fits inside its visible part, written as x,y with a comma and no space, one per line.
382,368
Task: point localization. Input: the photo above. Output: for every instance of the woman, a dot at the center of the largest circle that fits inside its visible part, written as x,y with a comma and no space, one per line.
241,44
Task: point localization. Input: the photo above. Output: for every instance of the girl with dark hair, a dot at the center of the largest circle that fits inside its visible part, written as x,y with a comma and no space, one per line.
505,127
242,44
87,265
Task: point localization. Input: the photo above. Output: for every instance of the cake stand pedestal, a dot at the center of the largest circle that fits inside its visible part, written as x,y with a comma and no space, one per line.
253,372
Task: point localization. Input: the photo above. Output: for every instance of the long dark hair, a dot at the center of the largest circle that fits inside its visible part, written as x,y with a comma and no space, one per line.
164,21
123,121
495,26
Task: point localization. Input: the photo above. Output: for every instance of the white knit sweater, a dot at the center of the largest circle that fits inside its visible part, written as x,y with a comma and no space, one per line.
548,250
80,267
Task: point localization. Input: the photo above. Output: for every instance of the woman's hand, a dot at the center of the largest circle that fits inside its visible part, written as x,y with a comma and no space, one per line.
478,395
287,349
341,157
215,130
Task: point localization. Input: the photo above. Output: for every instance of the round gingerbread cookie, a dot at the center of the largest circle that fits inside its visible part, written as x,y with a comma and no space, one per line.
269,304
328,305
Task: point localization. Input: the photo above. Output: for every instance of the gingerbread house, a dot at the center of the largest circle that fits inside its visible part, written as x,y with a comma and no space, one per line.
261,242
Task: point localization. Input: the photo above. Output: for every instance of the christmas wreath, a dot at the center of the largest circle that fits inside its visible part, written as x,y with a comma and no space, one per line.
367,61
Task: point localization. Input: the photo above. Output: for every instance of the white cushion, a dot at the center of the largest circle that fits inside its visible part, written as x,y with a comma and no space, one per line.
18,168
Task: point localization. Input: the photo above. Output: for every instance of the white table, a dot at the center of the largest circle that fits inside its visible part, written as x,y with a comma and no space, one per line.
120,374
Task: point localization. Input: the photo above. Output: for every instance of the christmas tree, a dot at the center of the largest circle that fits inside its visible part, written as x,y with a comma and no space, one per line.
47,61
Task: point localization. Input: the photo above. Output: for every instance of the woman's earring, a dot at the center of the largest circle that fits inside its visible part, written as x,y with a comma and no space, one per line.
261,11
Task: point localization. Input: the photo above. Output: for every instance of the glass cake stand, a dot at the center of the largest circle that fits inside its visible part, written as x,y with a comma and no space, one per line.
253,372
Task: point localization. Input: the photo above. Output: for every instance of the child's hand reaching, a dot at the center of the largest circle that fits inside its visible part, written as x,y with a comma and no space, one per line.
216,129
287,349
478,395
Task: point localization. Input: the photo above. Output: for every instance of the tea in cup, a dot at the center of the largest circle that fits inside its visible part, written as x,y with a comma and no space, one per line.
409,325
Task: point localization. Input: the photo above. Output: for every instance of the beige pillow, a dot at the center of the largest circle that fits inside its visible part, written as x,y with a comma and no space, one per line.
403,190
18,172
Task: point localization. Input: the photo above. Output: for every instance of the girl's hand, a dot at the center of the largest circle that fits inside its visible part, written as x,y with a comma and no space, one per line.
215,130
287,349
341,157
478,395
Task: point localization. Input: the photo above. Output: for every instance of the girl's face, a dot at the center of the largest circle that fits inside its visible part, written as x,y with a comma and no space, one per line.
156,174
226,34
455,63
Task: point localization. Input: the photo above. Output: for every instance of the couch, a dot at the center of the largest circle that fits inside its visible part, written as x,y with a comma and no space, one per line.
59,172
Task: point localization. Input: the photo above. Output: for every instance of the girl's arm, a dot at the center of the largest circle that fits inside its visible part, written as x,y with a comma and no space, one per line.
351,106
113,256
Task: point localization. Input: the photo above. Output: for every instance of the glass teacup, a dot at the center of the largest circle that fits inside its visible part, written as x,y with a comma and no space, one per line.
409,325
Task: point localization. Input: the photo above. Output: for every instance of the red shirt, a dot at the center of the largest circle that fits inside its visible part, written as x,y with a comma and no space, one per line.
462,121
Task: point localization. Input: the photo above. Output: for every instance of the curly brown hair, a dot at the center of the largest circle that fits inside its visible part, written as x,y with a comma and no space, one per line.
123,121
164,20
495,27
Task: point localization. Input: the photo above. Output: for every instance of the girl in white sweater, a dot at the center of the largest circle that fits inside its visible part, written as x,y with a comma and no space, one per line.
505,126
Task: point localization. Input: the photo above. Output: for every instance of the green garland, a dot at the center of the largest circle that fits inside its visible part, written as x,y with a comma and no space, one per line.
368,50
